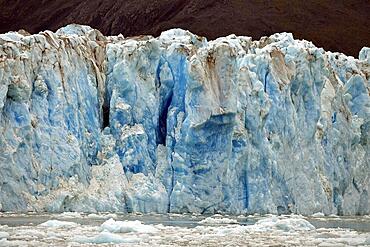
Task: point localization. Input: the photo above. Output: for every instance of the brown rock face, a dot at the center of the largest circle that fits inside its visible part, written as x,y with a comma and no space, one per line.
334,25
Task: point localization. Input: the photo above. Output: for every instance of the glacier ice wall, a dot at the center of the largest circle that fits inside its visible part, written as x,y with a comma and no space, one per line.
181,124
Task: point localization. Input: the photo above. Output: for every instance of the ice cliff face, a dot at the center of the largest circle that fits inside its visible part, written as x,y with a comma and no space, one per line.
180,124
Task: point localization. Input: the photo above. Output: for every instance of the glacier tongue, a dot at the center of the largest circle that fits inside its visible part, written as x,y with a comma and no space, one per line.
181,124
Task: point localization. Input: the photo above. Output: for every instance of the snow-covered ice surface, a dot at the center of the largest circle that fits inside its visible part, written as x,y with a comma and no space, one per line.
180,124
183,230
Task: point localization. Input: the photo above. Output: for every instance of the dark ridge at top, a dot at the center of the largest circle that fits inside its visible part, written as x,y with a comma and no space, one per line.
334,25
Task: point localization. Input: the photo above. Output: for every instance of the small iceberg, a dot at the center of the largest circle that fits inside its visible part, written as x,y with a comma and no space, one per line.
284,224
127,226
58,224
216,221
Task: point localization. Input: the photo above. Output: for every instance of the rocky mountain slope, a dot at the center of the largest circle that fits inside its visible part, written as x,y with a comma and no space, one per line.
181,124
335,25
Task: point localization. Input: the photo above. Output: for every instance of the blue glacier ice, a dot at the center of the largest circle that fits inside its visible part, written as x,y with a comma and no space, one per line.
181,124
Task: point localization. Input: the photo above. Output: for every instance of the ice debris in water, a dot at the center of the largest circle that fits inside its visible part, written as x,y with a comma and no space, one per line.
217,220
68,215
4,235
102,216
284,224
367,241
58,224
16,243
286,230
103,238
127,226
319,214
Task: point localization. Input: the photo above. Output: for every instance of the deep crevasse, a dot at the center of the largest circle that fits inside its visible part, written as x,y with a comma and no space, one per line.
230,125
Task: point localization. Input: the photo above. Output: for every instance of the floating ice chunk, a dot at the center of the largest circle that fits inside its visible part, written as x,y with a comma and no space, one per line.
288,224
213,221
127,226
319,214
68,215
104,237
6,243
227,230
59,224
31,233
102,216
4,235
367,241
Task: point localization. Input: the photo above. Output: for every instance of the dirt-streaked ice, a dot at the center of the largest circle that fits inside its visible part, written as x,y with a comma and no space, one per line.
180,124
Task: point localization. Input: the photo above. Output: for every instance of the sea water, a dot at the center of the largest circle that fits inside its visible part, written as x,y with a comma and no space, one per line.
107,229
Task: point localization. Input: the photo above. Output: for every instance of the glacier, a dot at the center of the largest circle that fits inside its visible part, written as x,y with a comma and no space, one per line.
180,124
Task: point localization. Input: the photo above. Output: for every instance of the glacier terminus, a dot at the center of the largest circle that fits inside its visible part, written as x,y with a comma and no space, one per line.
180,124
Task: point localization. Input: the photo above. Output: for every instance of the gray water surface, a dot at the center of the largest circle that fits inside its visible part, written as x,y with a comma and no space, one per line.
357,223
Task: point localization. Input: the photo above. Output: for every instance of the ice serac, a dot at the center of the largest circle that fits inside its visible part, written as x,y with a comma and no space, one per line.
181,124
